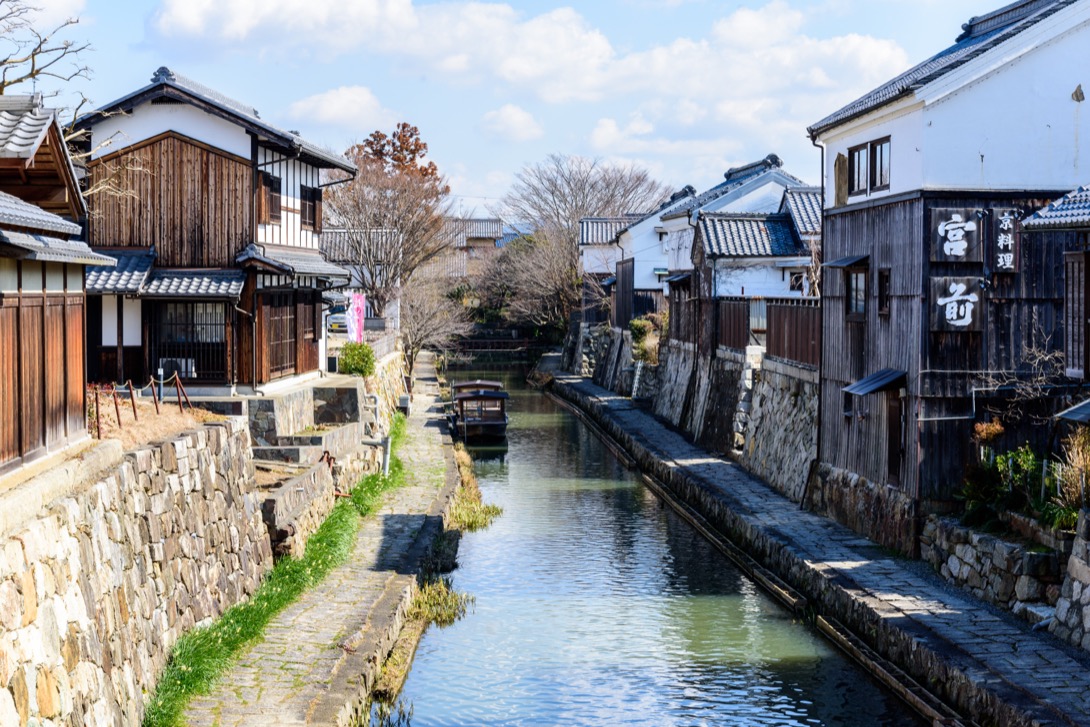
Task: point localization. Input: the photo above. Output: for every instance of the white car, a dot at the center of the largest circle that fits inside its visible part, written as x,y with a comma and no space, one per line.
337,322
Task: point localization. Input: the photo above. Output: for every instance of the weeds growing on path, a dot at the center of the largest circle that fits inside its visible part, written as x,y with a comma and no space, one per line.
468,512
202,655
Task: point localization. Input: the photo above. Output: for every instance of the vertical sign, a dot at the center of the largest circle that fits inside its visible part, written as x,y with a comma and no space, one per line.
1004,238
955,304
356,317
956,235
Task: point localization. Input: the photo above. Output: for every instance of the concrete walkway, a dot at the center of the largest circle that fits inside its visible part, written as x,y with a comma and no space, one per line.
321,655
987,664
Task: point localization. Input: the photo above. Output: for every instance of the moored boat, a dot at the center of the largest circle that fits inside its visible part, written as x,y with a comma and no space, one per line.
479,410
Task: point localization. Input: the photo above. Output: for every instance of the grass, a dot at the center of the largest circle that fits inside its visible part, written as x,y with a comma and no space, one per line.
468,512
202,655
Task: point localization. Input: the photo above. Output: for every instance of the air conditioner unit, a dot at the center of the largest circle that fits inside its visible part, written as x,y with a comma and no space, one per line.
186,368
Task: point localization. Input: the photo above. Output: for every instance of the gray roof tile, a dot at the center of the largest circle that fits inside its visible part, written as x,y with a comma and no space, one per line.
748,235
17,213
603,230
979,36
172,283
165,77
732,180
292,261
22,131
1071,210
125,278
51,249
804,204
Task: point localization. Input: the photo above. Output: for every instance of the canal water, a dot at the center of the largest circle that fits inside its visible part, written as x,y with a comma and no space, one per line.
595,605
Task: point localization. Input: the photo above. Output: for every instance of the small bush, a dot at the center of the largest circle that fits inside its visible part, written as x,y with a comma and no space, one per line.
356,358
640,328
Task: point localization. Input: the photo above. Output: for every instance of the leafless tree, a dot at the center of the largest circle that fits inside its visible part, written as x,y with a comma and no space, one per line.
29,53
430,319
541,271
386,224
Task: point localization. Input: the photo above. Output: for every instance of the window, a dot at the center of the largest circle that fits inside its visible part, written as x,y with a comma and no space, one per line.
310,201
879,164
857,170
856,293
798,281
269,199
883,291
868,167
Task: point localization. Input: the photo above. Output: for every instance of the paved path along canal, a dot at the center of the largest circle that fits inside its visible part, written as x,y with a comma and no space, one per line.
1040,677
308,664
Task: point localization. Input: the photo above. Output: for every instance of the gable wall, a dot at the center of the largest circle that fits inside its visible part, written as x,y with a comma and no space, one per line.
149,120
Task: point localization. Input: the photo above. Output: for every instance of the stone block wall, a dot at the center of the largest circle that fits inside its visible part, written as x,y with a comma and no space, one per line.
880,512
781,436
281,414
1072,620
97,588
701,396
297,508
1006,574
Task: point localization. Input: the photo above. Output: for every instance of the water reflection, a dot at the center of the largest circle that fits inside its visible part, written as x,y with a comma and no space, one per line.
597,606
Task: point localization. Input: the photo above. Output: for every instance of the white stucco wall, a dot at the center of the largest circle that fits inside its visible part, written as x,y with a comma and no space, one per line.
759,278
149,120
599,259
131,321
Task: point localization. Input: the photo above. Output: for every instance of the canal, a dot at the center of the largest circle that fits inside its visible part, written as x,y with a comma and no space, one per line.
595,605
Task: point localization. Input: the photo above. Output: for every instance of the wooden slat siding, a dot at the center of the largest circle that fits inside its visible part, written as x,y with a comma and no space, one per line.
733,323
245,332
794,330
75,357
891,341
55,399
31,345
9,379
647,301
1075,323
191,202
624,293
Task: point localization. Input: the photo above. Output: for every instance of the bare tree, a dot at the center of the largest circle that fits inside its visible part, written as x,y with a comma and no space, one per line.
28,53
541,271
389,221
430,319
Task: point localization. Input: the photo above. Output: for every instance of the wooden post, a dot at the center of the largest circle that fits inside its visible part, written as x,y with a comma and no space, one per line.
117,408
182,389
120,341
155,396
178,388
132,399
98,416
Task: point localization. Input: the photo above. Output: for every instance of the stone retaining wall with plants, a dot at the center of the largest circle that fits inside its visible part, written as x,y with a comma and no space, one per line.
1072,619
97,588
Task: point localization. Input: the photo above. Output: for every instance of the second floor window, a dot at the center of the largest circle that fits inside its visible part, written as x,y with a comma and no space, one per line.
269,200
869,167
310,208
856,293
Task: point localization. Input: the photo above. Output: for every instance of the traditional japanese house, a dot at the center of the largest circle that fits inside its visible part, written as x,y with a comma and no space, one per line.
931,294
216,231
42,382
598,256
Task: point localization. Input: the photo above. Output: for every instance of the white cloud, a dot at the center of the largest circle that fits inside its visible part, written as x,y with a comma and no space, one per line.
513,123
51,13
354,108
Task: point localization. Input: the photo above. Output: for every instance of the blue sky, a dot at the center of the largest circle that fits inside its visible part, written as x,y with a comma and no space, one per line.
686,88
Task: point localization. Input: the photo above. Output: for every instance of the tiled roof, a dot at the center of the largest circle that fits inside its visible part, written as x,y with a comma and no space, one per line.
979,36
292,261
51,249
804,205
676,199
339,245
166,78
17,213
748,235
169,283
602,230
1071,210
126,277
732,180
461,230
23,126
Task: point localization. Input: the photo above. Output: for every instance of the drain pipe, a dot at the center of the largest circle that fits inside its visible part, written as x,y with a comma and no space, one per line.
386,456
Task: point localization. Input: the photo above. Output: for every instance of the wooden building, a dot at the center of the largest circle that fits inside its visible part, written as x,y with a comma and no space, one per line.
931,294
42,383
216,234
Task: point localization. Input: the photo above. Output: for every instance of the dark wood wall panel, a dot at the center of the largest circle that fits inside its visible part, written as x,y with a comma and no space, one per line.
55,400
192,203
31,347
74,357
9,379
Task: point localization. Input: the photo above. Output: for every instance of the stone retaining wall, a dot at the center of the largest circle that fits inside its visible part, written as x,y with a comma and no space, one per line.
701,396
1072,619
97,588
1003,573
781,435
297,508
880,512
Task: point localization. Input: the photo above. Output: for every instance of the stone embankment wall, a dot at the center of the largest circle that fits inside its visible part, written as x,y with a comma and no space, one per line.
781,434
96,588
1006,574
879,512
701,395
1072,618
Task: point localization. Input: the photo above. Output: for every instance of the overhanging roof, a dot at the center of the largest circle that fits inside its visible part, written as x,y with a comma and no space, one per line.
125,277
1072,211
1079,413
174,283
291,261
883,380
25,246
610,280
481,394
678,277
847,262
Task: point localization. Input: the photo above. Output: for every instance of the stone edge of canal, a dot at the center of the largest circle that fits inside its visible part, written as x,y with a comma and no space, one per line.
888,674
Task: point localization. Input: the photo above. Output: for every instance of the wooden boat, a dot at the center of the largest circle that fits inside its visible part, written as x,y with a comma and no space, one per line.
479,410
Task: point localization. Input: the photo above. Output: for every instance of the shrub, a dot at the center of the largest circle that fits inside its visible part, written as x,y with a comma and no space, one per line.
641,328
356,358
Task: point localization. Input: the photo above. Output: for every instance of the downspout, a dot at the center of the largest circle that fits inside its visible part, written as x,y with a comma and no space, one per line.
816,463
253,218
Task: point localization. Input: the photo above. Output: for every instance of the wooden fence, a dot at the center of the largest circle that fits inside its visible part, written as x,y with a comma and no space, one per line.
790,328
793,330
